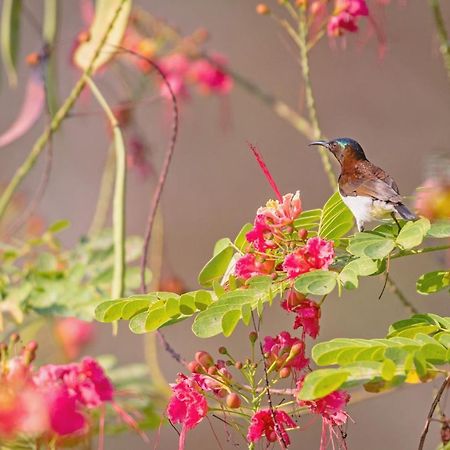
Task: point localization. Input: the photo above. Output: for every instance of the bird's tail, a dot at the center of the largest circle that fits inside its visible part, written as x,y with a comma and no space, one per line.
405,212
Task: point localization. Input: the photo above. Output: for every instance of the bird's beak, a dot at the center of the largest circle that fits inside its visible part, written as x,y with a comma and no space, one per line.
321,143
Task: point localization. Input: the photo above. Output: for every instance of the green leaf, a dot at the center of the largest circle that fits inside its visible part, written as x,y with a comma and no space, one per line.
322,382
59,226
137,323
215,267
432,282
209,322
336,219
230,320
362,266
104,12
241,242
309,220
413,233
371,245
318,282
439,229
10,37
220,245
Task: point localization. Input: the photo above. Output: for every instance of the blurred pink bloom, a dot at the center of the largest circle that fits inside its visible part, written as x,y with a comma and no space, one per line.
307,315
316,254
73,334
175,67
186,406
262,424
261,234
23,409
210,75
345,16
433,199
137,159
286,350
251,265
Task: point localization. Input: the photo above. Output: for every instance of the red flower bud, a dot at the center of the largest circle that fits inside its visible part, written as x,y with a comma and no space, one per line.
285,372
253,335
262,9
233,400
238,365
302,234
194,367
204,359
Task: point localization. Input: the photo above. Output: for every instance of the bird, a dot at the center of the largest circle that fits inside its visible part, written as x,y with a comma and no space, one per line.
367,190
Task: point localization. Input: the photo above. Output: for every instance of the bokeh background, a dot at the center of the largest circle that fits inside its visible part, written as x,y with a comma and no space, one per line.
397,107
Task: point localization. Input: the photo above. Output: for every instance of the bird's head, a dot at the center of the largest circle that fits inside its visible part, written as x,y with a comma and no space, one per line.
343,148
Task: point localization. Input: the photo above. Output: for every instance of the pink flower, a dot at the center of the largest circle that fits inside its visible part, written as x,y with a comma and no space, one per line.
210,76
251,265
345,17
175,67
307,314
316,254
262,424
331,407
274,219
286,350
186,406
65,414
73,334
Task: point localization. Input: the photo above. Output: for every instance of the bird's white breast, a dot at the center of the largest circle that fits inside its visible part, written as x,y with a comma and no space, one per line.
361,207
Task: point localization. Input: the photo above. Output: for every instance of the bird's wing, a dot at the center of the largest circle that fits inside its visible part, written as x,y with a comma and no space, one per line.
371,181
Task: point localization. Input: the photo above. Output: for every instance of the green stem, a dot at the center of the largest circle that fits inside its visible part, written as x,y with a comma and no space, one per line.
105,194
444,47
436,248
119,195
54,125
309,97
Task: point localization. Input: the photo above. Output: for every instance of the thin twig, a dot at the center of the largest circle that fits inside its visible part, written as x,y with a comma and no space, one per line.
164,170
269,400
396,290
309,97
169,349
431,412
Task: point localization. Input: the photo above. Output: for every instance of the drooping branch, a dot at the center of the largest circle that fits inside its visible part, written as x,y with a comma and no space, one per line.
435,403
56,122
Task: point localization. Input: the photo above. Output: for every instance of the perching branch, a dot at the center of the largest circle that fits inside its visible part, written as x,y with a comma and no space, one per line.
431,412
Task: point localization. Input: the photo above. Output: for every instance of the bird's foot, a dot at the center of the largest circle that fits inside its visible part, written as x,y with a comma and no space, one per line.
397,222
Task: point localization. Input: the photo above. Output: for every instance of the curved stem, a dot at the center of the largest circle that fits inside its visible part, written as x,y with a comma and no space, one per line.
119,195
444,47
309,97
58,118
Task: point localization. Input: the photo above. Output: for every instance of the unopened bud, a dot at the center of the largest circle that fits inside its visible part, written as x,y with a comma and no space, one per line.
223,350
212,370
262,9
222,393
296,349
83,36
14,338
33,59
204,359
253,336
302,234
233,400
285,372
194,367
238,365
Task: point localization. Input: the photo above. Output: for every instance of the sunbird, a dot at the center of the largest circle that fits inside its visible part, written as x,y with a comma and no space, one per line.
367,190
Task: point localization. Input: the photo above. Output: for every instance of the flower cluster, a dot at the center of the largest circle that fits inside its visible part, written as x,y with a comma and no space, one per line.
277,248
53,402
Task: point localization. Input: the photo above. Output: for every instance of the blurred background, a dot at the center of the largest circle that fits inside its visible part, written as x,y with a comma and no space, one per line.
397,107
